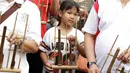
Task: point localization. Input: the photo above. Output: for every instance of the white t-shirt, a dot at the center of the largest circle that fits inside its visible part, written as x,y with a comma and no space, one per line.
49,41
114,20
33,29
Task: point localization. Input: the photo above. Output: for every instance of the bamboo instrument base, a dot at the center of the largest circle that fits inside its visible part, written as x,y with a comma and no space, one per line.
64,67
10,70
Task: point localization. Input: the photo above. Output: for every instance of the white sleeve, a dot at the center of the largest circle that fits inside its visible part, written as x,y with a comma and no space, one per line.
80,37
91,23
34,22
45,41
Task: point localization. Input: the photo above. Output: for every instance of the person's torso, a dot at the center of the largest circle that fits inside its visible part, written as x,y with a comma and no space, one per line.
114,21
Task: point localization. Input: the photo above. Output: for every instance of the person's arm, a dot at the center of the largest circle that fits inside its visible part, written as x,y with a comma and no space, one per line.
89,46
54,7
90,30
89,50
29,46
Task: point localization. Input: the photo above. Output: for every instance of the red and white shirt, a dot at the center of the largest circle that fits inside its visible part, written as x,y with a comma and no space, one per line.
114,20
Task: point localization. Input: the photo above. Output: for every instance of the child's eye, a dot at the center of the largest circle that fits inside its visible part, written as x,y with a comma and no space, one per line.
69,12
76,14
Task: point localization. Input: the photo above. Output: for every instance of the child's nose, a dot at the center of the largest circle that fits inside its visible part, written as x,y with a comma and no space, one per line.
72,15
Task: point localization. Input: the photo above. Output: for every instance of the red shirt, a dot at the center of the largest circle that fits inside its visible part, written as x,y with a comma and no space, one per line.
44,12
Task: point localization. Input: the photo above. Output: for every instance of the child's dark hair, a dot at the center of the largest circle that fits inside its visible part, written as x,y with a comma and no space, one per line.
68,4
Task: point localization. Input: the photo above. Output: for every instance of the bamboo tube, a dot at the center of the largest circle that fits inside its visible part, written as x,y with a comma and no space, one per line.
70,54
66,45
2,46
59,48
13,58
23,41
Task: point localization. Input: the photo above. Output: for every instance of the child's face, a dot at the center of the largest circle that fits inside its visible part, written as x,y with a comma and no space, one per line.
69,16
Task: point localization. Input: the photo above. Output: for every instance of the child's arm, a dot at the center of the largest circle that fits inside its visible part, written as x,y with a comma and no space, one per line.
45,61
44,57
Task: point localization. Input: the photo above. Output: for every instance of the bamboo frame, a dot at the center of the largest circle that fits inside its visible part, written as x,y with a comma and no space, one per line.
113,60
16,37
10,70
64,67
109,54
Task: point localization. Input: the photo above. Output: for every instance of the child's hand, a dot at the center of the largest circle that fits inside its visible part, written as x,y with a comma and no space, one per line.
49,66
72,40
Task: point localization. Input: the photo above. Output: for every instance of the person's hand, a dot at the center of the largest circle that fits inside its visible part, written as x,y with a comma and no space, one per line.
94,69
49,66
125,56
14,38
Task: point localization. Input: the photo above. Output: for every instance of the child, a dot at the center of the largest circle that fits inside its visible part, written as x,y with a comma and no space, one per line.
68,15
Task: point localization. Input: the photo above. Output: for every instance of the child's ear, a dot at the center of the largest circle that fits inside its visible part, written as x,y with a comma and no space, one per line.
60,13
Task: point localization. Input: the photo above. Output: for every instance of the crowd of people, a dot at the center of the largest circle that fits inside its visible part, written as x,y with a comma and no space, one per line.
88,37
